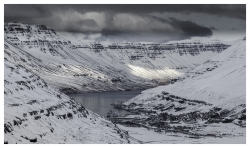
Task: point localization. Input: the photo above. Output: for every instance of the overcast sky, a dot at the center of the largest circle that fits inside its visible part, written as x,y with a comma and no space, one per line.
135,23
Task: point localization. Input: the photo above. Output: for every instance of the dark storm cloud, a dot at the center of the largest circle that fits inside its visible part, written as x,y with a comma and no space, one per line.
191,28
126,21
233,10
22,11
213,28
227,10
188,28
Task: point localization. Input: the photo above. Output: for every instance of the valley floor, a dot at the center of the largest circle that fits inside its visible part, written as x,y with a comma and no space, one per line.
151,137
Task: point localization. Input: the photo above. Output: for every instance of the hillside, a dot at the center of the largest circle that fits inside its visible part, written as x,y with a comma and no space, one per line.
220,81
211,96
35,112
75,67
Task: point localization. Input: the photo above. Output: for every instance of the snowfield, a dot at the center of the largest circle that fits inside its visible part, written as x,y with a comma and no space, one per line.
150,137
35,112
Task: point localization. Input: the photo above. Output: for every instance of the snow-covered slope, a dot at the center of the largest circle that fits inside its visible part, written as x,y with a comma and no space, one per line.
209,101
35,112
217,85
74,67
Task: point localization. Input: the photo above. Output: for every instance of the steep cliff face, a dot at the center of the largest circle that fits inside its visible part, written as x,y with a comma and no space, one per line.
35,112
85,68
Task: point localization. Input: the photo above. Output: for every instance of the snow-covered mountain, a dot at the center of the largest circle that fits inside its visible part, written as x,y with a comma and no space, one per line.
40,65
73,67
35,112
212,94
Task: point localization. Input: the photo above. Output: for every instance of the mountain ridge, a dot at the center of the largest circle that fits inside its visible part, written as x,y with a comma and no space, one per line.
90,68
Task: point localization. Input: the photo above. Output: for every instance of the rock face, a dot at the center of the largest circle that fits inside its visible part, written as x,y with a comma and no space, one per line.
35,112
211,95
87,68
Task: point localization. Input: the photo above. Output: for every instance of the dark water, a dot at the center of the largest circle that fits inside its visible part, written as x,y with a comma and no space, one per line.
100,102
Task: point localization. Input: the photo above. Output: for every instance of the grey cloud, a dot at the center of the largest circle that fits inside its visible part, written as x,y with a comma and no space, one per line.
22,11
191,28
99,21
139,23
188,28
88,23
227,10
213,28
124,22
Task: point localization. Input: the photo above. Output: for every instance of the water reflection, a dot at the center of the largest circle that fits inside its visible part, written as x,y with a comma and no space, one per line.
100,102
